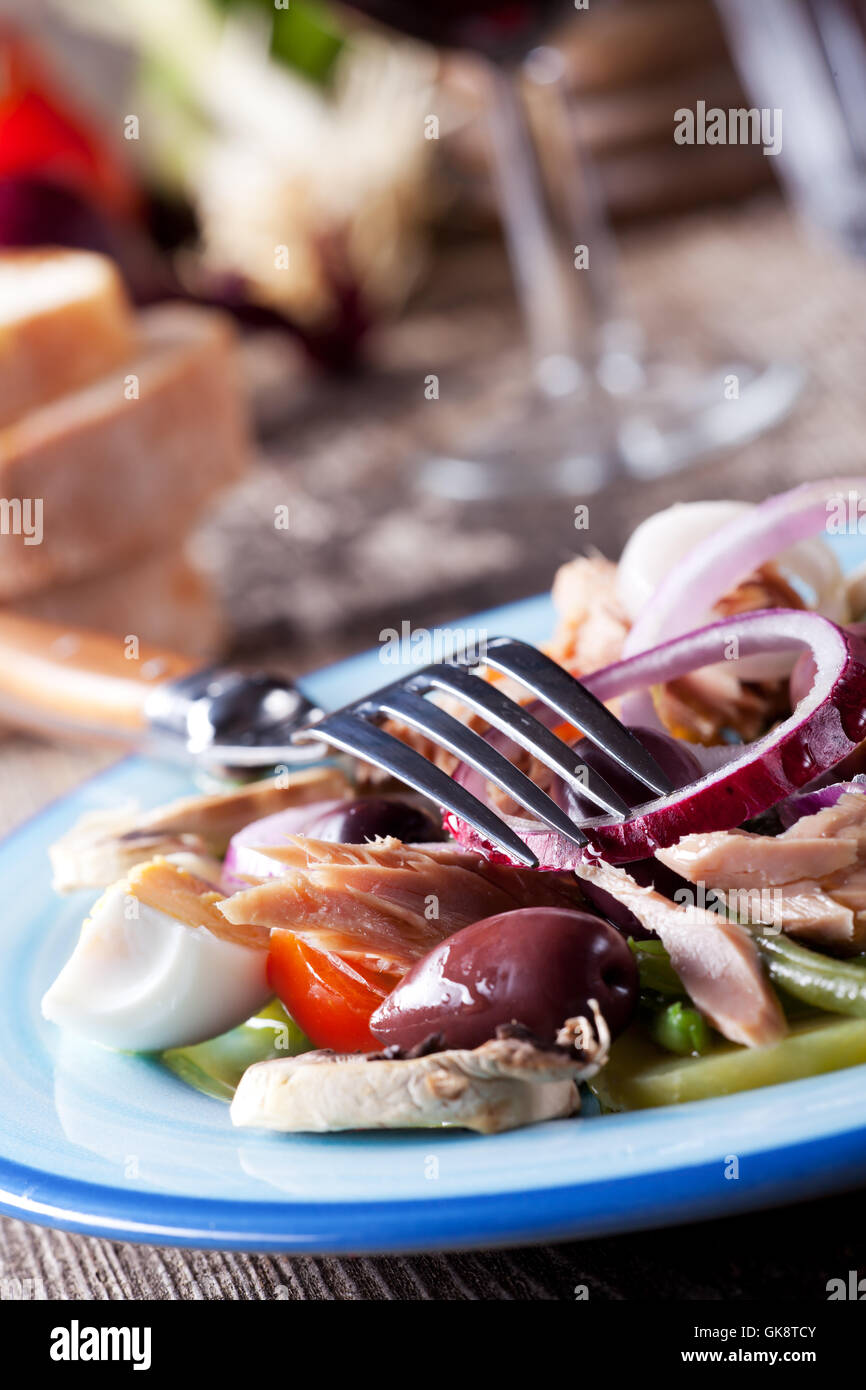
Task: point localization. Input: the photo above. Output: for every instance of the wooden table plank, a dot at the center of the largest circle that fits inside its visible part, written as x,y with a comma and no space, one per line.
781,1255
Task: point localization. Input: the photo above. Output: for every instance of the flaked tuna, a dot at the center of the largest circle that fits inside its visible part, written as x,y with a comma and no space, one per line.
810,881
387,903
716,959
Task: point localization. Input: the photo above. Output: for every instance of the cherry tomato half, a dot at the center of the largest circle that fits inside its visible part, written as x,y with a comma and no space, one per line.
330,998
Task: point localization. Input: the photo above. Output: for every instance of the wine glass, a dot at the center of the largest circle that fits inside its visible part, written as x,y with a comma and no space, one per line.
808,58
595,403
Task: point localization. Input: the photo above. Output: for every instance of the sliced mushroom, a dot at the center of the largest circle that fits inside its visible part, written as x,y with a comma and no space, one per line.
104,845
505,1083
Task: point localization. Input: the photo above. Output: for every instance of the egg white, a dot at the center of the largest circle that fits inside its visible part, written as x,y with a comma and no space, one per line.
139,980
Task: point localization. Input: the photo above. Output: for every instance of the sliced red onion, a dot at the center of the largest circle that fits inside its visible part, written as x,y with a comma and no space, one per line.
244,862
722,561
809,803
804,668
740,782
673,756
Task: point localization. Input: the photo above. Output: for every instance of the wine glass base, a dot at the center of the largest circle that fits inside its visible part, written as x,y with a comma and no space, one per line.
682,415
575,446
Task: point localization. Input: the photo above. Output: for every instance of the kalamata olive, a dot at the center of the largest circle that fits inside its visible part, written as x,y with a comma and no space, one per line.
537,966
353,822
671,754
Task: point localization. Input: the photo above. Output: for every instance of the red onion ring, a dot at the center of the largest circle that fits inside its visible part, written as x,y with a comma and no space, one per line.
722,561
740,782
736,550
245,863
809,803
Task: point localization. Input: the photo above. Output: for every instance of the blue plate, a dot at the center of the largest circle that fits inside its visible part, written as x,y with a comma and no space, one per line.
116,1146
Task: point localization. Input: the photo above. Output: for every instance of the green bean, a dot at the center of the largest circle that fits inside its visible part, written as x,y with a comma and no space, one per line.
837,986
216,1066
678,1028
820,981
639,1075
655,969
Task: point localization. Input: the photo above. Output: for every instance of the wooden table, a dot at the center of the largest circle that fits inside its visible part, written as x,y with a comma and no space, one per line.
364,551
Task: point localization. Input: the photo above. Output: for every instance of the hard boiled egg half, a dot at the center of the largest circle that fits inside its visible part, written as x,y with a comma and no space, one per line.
157,966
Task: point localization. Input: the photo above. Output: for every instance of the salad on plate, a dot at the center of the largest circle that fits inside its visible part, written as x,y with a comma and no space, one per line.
326,951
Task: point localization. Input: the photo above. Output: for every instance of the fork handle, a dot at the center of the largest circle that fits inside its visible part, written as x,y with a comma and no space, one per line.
61,679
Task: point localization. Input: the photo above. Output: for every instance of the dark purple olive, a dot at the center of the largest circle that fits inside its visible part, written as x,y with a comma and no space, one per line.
537,966
671,754
353,822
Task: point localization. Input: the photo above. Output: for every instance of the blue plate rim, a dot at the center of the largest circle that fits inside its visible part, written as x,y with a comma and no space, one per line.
585,1210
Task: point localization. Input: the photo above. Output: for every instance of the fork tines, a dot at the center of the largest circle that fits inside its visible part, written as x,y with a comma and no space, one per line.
354,730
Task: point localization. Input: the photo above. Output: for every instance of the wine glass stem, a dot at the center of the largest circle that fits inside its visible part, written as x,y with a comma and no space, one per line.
616,347
537,259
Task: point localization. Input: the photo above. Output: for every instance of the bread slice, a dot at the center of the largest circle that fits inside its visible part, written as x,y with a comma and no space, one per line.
163,600
122,467
65,320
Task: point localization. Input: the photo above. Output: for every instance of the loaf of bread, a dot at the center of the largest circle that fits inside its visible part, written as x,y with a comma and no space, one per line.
163,600
119,469
65,320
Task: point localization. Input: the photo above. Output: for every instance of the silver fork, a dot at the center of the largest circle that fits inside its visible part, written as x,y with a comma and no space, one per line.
354,730
223,720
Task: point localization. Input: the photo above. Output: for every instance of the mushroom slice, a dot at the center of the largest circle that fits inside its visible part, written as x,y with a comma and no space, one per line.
503,1084
104,845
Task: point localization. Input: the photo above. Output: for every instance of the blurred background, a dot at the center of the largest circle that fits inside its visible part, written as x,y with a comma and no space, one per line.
329,184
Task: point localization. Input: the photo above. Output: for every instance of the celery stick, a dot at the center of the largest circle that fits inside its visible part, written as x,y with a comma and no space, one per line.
216,1066
640,1075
